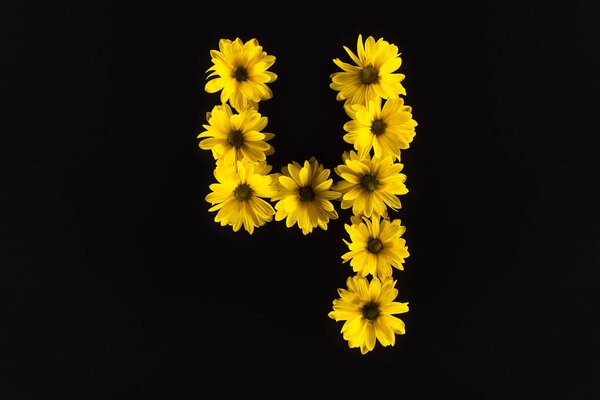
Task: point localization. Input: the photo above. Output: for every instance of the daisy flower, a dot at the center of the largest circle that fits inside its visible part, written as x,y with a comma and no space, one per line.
304,196
367,308
385,129
238,194
232,137
241,73
369,185
375,246
372,76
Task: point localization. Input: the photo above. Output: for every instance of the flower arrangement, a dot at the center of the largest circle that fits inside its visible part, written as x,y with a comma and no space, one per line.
380,126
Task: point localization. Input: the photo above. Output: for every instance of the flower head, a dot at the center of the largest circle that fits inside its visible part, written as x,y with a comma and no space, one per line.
238,194
304,196
367,308
385,129
369,185
232,137
375,246
372,76
241,70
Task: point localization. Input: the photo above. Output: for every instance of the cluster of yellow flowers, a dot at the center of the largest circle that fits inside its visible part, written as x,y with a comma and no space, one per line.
303,192
240,147
379,122
236,139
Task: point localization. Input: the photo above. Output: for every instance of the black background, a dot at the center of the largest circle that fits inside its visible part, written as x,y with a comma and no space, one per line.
116,282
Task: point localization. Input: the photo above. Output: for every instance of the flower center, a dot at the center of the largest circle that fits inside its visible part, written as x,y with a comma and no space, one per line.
306,193
240,74
375,246
242,192
235,139
370,311
378,127
368,75
369,182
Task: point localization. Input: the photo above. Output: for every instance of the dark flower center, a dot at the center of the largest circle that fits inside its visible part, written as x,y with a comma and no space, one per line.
370,311
235,139
306,193
378,127
369,182
375,246
242,192
240,74
368,75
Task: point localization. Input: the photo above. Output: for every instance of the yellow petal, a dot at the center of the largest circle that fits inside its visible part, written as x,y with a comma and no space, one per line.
394,308
384,333
396,324
374,289
370,337
214,85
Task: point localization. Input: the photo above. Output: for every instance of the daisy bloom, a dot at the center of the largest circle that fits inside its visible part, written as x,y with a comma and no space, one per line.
375,246
241,73
369,185
237,195
232,137
367,308
372,76
385,129
304,196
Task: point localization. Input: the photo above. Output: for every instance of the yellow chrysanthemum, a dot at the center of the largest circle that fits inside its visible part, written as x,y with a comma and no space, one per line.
241,70
232,137
376,246
237,195
369,185
367,308
385,129
304,196
372,76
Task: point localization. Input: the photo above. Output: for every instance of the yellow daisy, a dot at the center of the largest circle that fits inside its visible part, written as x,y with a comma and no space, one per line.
232,137
304,196
369,185
385,129
241,70
376,246
372,76
237,195
367,308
